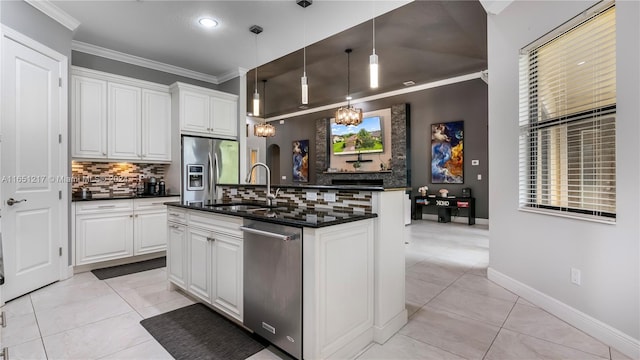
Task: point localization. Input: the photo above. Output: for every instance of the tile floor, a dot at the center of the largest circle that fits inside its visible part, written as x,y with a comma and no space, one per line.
455,312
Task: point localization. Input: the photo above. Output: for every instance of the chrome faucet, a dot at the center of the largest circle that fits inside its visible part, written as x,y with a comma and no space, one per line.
270,196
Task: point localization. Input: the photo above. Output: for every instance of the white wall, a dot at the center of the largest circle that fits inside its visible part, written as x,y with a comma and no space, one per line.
537,251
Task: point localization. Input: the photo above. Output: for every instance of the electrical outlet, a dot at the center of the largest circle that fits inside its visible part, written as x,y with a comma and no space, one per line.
575,276
475,162
312,196
330,197
284,177
479,176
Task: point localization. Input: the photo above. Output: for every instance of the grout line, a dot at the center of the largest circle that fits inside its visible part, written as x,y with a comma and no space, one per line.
500,329
38,325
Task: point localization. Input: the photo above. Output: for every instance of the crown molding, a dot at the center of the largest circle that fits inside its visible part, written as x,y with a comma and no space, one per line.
231,75
139,61
54,12
425,86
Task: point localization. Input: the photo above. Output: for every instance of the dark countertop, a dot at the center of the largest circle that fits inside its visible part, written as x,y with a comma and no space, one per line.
326,187
75,198
300,217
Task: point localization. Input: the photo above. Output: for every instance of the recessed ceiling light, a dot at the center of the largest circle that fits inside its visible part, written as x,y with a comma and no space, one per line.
581,63
303,107
208,22
408,83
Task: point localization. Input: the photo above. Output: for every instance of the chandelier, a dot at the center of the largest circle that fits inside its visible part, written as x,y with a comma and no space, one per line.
264,129
348,115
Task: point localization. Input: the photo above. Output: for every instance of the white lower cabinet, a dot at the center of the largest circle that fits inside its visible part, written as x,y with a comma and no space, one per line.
115,229
177,253
199,263
101,237
208,248
149,231
227,280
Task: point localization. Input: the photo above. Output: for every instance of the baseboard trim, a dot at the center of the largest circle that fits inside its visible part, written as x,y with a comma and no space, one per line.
457,219
353,347
592,326
382,333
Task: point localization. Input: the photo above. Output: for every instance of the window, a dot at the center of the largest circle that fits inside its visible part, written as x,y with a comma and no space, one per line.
568,119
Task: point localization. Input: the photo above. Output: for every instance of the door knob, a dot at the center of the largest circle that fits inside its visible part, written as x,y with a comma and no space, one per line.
11,201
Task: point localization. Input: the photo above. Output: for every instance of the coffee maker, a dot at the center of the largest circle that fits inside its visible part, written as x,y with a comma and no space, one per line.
150,186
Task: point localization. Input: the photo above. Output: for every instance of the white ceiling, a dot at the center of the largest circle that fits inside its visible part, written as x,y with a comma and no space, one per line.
168,31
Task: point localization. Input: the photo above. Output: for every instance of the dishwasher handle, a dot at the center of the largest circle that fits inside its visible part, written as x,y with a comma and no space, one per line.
283,237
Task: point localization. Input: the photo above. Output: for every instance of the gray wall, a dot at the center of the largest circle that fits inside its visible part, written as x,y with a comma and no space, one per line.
536,251
134,71
462,101
231,86
29,21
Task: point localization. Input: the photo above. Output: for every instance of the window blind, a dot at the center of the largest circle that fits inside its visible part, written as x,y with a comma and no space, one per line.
567,119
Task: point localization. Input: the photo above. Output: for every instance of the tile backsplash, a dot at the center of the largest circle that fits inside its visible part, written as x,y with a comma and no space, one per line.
349,201
112,178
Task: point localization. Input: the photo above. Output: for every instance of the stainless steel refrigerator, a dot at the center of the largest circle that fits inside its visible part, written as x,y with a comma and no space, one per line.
206,163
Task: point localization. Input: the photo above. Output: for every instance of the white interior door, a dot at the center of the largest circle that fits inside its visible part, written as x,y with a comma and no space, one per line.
30,163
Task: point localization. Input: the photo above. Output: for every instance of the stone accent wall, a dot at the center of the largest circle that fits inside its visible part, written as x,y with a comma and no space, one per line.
398,177
112,178
348,201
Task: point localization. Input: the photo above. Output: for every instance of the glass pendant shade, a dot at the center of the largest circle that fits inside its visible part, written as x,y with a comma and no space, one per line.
256,103
305,89
264,130
373,71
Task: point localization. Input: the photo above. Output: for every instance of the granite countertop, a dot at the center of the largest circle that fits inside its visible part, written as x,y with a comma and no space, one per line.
300,217
75,198
326,187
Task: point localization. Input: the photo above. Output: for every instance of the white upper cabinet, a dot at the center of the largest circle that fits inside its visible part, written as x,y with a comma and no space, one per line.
124,122
89,117
194,112
205,112
225,116
156,125
120,118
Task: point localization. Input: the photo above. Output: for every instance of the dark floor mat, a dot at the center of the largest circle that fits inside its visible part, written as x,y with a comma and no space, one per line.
126,269
197,332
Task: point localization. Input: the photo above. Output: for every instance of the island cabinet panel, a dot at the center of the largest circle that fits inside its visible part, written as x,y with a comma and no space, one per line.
199,260
211,268
176,254
338,289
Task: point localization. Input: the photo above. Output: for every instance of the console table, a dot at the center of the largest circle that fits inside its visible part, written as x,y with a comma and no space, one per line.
444,206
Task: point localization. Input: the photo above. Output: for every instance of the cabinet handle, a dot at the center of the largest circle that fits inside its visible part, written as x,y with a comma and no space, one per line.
104,154
136,215
173,226
130,216
156,203
211,239
174,214
106,206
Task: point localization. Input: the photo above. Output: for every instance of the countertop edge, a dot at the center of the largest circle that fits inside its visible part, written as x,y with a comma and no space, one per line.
289,222
79,199
325,187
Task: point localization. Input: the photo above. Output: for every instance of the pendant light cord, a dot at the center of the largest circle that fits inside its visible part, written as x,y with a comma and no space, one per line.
348,77
256,87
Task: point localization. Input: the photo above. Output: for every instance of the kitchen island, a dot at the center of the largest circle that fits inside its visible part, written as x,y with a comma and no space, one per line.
352,265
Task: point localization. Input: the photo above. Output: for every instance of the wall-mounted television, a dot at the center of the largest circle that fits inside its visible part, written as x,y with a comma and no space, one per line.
365,137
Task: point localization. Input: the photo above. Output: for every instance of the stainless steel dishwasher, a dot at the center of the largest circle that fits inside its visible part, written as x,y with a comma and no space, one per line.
273,283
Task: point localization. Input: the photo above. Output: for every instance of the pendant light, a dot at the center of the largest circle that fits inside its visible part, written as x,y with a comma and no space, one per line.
348,115
303,80
373,58
256,97
264,129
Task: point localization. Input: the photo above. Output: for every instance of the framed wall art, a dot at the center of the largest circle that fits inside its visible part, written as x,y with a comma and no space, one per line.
447,155
300,149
